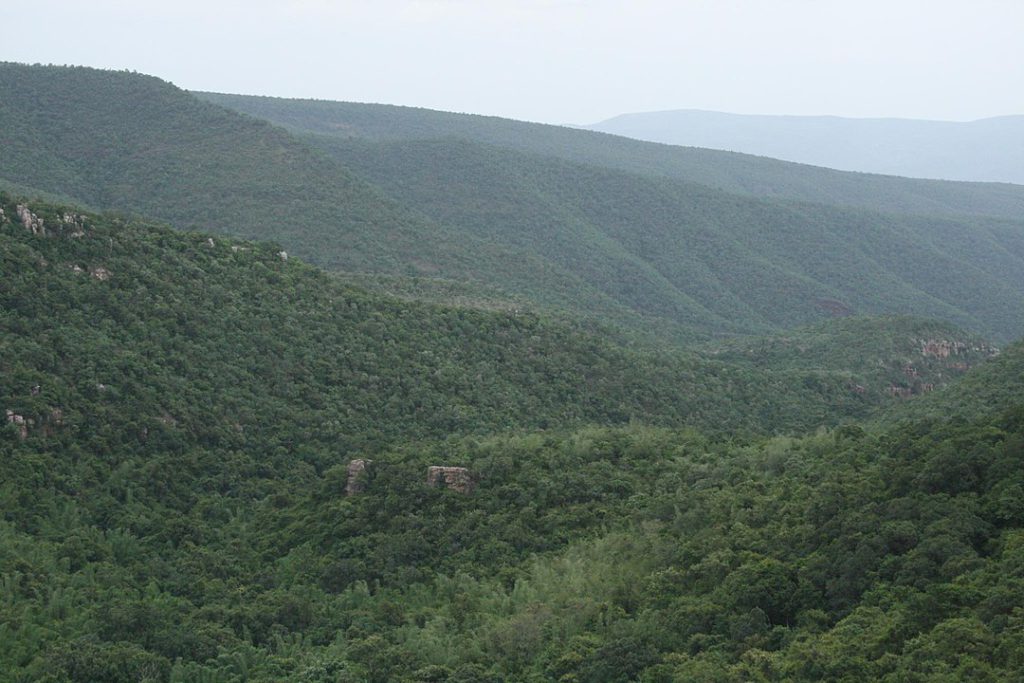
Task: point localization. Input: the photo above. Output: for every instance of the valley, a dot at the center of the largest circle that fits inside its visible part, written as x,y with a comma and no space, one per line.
333,392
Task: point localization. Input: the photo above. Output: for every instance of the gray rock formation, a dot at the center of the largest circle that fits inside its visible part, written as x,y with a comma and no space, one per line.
455,478
356,482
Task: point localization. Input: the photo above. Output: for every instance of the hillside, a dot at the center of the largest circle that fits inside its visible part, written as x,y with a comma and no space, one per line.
119,303
993,384
733,172
684,253
182,410
661,258
135,144
988,150
894,356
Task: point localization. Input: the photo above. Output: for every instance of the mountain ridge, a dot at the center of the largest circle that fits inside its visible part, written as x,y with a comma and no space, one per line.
729,171
677,259
982,150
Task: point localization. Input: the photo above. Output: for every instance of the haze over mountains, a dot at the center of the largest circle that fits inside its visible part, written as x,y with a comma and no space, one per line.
987,150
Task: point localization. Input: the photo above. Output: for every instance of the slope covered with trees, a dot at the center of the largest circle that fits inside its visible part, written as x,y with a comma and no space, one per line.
89,299
685,253
182,410
674,259
740,173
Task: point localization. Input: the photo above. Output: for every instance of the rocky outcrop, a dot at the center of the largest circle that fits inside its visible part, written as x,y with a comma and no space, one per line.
356,480
46,423
20,422
73,225
455,478
944,348
900,392
31,221
65,225
100,273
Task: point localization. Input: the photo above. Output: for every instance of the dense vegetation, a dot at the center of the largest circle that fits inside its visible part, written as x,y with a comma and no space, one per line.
182,410
703,258
161,321
665,257
740,173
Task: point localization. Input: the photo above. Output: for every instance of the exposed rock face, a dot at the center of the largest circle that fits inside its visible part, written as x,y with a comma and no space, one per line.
944,348
100,273
941,348
47,423
73,224
68,224
30,220
283,255
21,423
356,482
456,478
901,392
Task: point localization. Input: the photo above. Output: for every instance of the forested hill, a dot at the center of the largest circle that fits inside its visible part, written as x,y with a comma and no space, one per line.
127,329
733,172
707,259
134,143
661,256
181,411
983,150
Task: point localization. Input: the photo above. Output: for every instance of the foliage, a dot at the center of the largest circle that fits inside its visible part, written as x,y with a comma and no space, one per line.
701,258
180,411
674,257
176,509
736,173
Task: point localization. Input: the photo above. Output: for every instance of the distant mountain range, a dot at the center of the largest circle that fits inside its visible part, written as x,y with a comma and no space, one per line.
987,150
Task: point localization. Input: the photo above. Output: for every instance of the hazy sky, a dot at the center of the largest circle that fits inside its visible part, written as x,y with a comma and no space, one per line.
557,61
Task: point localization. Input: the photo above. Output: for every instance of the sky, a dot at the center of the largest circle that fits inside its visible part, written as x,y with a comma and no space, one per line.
557,61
